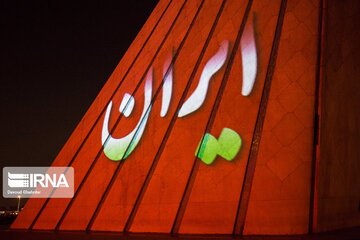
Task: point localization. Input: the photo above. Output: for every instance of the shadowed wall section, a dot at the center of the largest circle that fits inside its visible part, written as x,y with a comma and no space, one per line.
339,164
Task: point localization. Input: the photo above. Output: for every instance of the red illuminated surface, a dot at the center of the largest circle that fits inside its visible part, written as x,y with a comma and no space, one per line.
161,186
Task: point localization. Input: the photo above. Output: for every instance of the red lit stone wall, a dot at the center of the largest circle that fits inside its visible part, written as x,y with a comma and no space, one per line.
280,195
162,186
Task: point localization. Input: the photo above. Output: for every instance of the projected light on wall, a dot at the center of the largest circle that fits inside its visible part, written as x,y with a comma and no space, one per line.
119,148
229,142
249,59
197,98
167,87
227,146
203,151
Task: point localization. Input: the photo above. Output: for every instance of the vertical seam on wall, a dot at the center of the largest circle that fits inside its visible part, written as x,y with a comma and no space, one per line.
254,148
317,110
192,176
117,121
98,118
152,102
170,127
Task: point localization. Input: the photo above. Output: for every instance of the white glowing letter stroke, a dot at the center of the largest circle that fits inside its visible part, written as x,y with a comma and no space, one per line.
197,98
127,105
249,60
167,87
119,148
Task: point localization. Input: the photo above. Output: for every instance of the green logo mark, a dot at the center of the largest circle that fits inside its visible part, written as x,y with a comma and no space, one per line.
227,146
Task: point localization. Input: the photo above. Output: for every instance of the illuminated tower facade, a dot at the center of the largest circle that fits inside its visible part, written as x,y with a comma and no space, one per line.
208,125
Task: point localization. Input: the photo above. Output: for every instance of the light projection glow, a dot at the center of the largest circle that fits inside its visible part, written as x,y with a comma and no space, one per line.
119,148
229,141
249,59
127,105
227,146
197,98
167,87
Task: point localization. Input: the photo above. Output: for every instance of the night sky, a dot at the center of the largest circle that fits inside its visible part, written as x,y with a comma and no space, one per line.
55,58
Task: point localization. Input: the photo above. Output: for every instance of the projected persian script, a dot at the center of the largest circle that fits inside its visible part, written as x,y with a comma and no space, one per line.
229,142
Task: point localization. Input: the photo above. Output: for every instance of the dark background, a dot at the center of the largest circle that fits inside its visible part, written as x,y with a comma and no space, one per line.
55,57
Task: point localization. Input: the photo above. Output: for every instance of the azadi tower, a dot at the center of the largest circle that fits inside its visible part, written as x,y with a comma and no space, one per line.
223,117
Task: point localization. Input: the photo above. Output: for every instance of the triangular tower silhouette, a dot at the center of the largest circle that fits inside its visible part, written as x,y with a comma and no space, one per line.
206,126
